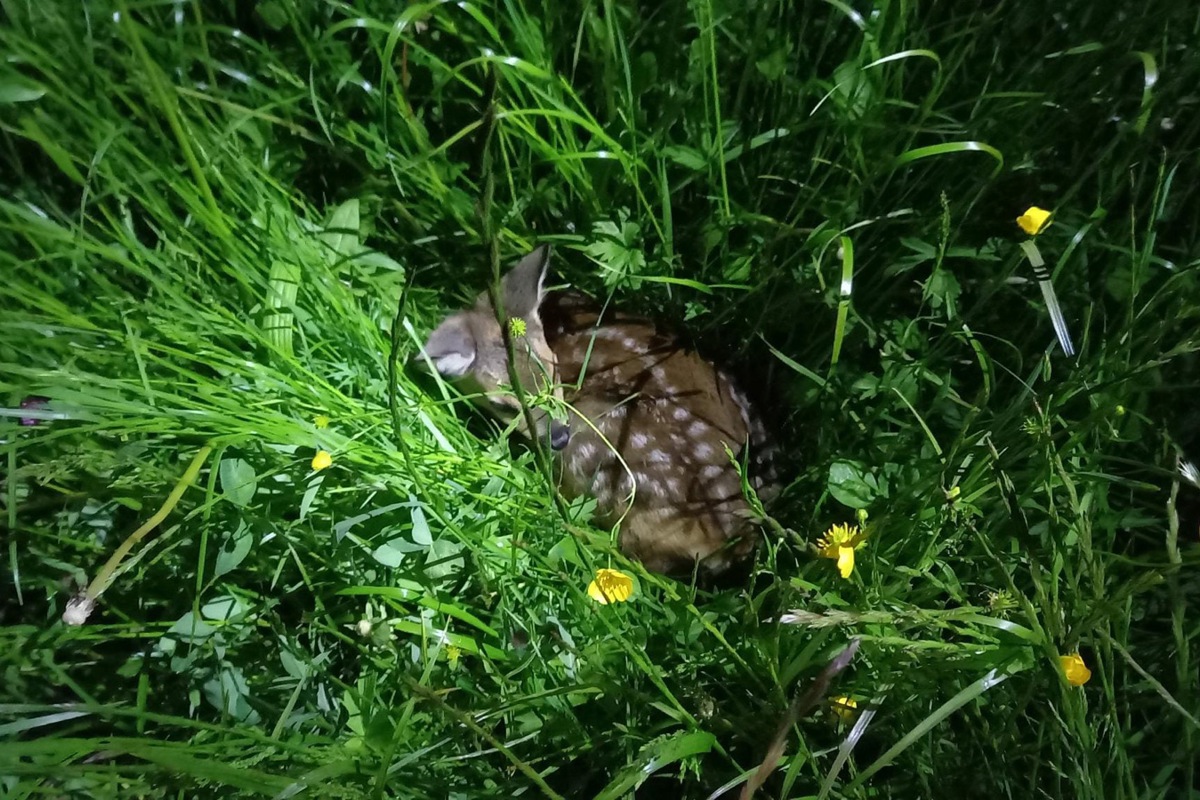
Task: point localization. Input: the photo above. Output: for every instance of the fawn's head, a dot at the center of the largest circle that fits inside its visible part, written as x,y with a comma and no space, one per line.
468,349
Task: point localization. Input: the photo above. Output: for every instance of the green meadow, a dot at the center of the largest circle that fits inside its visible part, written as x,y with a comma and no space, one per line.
226,228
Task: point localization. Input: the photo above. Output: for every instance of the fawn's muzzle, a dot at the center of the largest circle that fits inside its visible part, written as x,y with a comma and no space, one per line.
560,434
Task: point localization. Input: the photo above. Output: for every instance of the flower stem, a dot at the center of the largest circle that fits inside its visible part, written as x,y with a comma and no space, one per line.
105,576
1043,278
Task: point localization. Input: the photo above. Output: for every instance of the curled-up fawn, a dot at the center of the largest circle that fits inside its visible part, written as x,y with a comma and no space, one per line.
649,425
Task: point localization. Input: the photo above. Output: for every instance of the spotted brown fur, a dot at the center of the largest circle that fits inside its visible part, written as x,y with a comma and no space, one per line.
650,421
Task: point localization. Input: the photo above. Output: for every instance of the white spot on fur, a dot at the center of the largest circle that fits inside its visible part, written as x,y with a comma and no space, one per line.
639,440
697,428
703,450
659,457
647,485
681,413
741,400
581,461
612,334
735,392
712,471
630,343
728,488
624,486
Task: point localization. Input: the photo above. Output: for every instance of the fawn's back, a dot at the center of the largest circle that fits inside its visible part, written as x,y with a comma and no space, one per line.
651,425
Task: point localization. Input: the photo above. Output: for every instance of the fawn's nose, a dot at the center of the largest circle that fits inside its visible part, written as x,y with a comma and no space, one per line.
559,435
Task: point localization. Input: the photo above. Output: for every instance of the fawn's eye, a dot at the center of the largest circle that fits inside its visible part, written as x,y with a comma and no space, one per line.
502,407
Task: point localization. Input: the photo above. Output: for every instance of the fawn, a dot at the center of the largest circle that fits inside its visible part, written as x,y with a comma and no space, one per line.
648,423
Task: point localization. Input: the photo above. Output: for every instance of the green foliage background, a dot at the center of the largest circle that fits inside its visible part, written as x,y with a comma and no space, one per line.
209,215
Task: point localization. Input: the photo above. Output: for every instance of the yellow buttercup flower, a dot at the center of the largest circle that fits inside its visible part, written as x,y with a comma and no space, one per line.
840,542
610,585
322,460
1034,220
321,421
844,707
1076,671
516,327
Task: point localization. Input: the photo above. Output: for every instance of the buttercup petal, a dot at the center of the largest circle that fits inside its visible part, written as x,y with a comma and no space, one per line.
610,585
845,561
1034,220
844,707
1076,671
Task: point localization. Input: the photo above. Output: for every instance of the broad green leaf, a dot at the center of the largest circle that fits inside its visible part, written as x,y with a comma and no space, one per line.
310,494
294,666
566,550
378,260
282,288
341,528
440,563
850,484
238,481
774,63
223,609
853,92
273,14
616,246
686,157
14,91
189,628
942,289
342,231
228,692
392,552
420,528
234,550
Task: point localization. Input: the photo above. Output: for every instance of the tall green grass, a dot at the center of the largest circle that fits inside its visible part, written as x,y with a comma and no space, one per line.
214,214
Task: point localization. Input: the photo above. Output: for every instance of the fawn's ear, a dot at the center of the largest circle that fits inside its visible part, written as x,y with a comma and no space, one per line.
523,284
451,347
